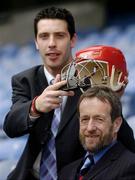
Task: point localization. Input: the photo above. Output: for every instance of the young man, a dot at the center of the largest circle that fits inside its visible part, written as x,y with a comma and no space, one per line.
106,157
37,102
34,100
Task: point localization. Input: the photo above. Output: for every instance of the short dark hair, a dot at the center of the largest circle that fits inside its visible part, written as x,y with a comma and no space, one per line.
105,94
56,13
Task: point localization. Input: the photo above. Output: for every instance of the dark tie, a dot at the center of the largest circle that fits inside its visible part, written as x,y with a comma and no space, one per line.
88,163
48,167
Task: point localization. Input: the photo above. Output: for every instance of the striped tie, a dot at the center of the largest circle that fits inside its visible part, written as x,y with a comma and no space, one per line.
88,163
48,167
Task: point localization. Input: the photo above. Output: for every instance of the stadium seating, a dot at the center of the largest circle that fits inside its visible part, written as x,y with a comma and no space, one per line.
15,58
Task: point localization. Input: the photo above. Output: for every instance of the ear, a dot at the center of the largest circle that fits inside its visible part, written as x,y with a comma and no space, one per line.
36,45
117,123
73,40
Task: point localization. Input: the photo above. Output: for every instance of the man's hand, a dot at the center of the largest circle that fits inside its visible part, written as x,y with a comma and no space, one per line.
51,97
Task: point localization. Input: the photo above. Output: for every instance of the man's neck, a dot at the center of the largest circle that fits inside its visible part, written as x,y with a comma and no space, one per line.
57,70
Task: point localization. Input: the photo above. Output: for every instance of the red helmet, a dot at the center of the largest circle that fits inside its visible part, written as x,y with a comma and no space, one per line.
100,65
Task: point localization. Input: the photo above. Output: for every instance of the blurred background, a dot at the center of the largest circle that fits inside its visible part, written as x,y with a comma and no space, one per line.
97,22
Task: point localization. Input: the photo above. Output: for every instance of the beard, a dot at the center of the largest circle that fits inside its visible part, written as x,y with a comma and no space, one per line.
96,143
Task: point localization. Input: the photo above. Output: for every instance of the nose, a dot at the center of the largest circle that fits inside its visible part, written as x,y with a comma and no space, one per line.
52,42
91,126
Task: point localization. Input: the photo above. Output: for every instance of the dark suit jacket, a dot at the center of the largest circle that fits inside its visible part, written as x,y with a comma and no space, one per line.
117,164
26,85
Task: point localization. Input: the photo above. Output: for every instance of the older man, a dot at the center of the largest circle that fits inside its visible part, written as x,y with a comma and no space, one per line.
106,158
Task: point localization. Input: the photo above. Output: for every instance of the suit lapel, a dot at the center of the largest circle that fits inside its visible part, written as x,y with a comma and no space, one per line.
112,155
69,110
41,81
75,168
42,128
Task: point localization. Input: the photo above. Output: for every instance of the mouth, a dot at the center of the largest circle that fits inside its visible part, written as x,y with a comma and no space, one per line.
92,136
53,56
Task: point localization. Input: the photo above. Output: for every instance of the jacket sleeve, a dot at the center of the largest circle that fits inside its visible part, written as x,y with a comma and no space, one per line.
17,119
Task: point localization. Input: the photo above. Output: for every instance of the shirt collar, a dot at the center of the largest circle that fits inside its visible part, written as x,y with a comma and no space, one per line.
99,155
49,77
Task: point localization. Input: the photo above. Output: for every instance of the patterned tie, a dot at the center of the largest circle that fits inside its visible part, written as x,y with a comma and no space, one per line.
88,163
48,166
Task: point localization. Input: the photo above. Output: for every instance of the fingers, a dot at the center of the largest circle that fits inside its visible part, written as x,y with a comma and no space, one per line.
55,89
57,93
57,85
57,78
125,80
55,101
51,97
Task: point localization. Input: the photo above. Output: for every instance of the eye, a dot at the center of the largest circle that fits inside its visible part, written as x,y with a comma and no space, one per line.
60,35
84,121
43,36
99,119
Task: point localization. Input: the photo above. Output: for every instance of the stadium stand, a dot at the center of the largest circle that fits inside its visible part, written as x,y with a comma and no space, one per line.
14,58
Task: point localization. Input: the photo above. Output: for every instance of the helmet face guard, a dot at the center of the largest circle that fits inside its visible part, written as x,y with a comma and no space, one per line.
97,65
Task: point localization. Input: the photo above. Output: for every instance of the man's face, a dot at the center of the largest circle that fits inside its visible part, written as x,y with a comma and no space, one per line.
96,128
54,43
